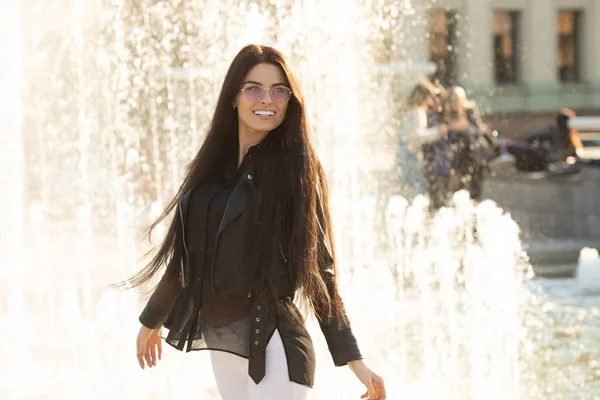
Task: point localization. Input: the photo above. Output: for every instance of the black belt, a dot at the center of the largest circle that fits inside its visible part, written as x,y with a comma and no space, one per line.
258,341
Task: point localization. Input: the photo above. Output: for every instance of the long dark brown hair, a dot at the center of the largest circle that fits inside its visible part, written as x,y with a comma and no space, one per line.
290,183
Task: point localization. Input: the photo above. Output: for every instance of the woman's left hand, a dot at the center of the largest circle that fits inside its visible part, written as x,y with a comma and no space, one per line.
373,382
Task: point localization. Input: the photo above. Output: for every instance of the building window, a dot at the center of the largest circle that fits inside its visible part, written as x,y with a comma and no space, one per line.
505,26
568,45
441,35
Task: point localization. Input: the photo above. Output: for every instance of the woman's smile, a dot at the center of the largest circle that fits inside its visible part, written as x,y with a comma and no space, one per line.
264,114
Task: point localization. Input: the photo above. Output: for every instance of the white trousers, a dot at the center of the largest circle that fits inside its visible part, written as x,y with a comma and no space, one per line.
231,374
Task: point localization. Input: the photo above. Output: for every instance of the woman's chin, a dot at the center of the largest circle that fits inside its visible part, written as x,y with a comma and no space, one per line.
265,126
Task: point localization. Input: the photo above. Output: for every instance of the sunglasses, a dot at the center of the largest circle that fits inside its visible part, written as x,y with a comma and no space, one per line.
279,94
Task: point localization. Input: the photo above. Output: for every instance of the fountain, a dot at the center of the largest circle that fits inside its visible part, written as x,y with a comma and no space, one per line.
108,104
12,300
588,270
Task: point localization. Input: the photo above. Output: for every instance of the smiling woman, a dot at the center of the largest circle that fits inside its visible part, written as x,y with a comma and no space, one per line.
251,232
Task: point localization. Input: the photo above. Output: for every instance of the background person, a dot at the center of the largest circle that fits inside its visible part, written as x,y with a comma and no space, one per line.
422,130
568,139
468,156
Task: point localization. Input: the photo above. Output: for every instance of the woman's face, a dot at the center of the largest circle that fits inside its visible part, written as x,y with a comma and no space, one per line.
427,102
455,102
437,103
258,115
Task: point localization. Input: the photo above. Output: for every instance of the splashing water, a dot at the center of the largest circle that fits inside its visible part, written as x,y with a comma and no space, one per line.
458,292
12,301
588,272
108,101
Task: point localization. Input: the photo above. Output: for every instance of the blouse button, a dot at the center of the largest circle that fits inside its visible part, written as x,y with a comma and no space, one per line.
257,331
256,343
258,308
250,177
257,319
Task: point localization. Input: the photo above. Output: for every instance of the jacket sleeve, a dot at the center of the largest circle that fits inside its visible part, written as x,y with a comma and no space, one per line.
163,298
414,129
341,342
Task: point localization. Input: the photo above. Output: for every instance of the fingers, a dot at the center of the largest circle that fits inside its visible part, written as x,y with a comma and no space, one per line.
159,346
148,356
140,350
369,396
379,387
371,390
152,352
140,357
375,391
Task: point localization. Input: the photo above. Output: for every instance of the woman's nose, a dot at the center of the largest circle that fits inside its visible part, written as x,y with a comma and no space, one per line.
266,99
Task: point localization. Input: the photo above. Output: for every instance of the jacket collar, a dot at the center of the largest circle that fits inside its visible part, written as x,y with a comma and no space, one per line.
240,199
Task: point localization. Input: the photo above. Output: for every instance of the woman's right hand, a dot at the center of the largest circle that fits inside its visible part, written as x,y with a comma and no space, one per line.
149,346
444,130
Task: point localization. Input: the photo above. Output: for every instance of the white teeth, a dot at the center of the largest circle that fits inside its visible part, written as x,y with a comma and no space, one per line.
264,113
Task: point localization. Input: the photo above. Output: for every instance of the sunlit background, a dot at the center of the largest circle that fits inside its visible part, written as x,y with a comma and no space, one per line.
104,103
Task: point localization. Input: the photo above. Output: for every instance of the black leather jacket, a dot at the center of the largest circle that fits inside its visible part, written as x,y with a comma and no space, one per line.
176,300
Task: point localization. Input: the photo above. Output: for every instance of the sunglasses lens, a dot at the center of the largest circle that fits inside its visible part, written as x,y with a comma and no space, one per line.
280,94
253,93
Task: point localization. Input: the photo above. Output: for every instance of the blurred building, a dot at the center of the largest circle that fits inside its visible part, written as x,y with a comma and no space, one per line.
514,55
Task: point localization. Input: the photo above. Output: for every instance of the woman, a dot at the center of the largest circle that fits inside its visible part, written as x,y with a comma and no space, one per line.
464,126
423,131
251,230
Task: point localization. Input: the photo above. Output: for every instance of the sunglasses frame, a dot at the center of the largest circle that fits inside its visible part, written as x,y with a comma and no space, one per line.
270,93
